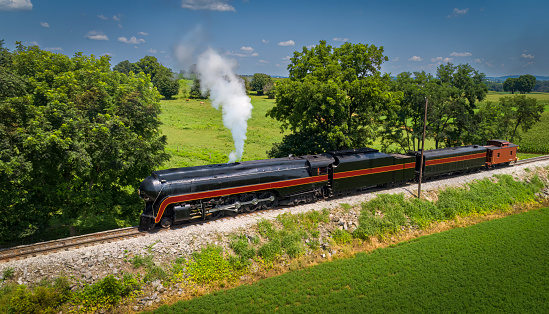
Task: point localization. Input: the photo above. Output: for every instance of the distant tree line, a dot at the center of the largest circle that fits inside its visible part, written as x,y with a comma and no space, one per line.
522,84
76,139
161,77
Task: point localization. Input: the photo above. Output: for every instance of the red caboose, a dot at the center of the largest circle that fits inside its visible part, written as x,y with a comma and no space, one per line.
500,153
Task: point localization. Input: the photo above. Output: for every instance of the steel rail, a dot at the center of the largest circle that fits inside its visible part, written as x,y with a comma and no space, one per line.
42,248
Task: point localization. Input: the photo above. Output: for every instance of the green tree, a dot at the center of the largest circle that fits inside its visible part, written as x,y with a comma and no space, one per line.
259,80
451,112
338,94
525,83
510,85
527,112
165,83
195,92
403,125
123,67
77,144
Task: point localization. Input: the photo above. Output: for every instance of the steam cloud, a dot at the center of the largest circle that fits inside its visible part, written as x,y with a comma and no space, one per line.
228,92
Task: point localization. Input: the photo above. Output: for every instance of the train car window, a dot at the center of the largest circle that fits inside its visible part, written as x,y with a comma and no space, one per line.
498,155
511,153
323,170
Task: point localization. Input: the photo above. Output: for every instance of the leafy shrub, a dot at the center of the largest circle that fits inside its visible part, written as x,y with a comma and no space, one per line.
270,250
105,293
291,243
46,298
391,218
341,236
8,273
242,248
208,266
265,229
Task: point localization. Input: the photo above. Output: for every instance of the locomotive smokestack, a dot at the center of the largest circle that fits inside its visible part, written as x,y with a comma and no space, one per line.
228,92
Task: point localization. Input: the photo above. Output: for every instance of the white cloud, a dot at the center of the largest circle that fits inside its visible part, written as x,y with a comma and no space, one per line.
152,51
132,40
458,12
143,33
441,59
95,35
396,59
34,43
478,61
247,49
264,61
101,16
212,5
415,58
286,58
286,43
53,48
44,24
341,39
527,56
265,41
15,5
116,17
241,55
461,54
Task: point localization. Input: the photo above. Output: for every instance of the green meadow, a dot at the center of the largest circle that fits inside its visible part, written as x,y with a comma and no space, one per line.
196,134
495,266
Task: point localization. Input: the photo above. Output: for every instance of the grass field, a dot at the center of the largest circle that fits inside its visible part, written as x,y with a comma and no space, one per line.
541,97
494,266
196,135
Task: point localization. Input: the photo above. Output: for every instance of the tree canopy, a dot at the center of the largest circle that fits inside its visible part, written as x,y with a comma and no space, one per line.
452,97
335,95
523,84
75,140
161,76
259,81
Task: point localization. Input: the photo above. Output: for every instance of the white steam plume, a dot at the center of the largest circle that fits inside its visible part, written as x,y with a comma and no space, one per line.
228,92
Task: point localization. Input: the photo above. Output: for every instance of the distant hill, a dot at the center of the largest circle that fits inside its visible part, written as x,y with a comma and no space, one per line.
503,78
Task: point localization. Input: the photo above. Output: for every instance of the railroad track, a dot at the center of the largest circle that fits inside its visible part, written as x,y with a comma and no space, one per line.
530,160
24,251
43,248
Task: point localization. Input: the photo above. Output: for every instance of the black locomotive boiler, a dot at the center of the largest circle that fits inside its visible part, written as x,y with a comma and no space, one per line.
212,191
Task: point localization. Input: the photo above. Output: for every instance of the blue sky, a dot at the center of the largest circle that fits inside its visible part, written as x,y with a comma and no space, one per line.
495,37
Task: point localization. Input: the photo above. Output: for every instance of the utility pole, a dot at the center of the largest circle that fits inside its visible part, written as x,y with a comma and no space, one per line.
422,149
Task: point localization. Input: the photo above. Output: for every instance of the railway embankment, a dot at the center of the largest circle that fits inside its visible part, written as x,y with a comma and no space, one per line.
87,265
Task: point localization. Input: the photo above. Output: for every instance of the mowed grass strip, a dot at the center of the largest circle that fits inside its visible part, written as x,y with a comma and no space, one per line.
498,265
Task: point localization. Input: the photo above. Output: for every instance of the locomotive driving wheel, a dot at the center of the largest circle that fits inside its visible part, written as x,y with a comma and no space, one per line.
166,222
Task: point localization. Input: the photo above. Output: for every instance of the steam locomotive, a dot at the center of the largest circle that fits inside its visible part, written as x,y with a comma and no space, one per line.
212,191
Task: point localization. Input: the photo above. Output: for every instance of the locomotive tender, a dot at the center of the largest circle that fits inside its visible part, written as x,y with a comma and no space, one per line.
212,191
